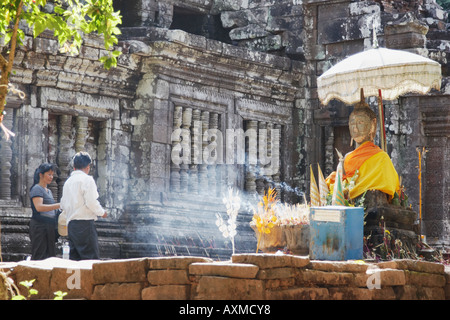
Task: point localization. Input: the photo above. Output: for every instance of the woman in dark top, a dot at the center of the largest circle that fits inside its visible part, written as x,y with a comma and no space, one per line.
44,219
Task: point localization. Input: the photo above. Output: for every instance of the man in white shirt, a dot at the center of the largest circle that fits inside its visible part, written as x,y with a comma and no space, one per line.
79,201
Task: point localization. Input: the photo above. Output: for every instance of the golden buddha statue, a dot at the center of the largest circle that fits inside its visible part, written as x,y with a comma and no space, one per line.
374,166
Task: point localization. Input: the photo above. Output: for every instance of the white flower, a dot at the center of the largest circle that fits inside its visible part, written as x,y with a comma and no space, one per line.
232,204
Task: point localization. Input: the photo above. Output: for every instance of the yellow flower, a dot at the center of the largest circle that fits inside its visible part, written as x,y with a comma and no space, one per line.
264,216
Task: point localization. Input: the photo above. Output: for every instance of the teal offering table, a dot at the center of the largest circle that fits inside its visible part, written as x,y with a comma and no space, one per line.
336,233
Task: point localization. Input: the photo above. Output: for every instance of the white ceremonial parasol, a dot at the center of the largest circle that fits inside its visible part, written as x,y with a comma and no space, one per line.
368,73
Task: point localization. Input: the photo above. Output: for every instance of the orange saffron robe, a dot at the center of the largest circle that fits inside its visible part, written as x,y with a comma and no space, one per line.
375,170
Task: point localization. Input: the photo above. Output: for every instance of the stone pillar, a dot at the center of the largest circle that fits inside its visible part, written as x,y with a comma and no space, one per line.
174,167
5,159
213,178
195,151
64,154
275,155
203,167
102,153
184,167
268,167
329,151
81,133
262,154
52,151
435,118
250,178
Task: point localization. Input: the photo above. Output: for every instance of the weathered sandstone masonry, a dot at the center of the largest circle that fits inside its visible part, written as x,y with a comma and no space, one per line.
244,277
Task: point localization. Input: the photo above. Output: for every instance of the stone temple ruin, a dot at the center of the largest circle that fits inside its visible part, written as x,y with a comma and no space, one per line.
201,65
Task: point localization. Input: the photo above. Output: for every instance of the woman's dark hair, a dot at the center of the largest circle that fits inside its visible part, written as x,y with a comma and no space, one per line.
81,160
43,168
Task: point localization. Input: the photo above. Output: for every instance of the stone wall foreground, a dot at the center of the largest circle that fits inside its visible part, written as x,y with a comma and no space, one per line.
243,277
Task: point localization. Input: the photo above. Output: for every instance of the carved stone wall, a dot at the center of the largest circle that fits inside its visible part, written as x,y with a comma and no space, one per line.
197,99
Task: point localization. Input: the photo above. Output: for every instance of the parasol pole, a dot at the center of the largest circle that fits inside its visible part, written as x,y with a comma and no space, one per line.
382,126
420,155
380,98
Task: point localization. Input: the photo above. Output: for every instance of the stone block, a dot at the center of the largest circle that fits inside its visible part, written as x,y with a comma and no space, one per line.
77,282
447,284
323,278
298,294
345,293
339,266
178,262
276,273
413,265
46,78
383,294
271,42
158,170
423,279
361,8
41,272
267,261
224,269
447,291
127,270
360,280
406,292
220,288
44,45
159,153
251,31
228,5
166,277
76,65
409,292
162,90
166,292
432,293
332,31
118,291
406,40
389,277
237,19
277,284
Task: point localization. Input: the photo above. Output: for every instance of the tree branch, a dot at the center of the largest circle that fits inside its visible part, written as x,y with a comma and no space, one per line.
6,68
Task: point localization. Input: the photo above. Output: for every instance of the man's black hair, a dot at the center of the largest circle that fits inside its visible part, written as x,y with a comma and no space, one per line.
81,160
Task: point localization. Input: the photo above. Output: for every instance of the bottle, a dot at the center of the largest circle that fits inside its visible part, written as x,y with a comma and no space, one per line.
66,250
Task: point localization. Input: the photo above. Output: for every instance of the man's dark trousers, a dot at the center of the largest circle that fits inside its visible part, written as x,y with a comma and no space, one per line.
83,240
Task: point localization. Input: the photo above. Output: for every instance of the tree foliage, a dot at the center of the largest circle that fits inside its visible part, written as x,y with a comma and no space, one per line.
69,20
445,4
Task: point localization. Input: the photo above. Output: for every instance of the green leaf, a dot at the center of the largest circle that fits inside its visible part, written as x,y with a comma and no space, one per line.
59,295
33,291
27,283
69,22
